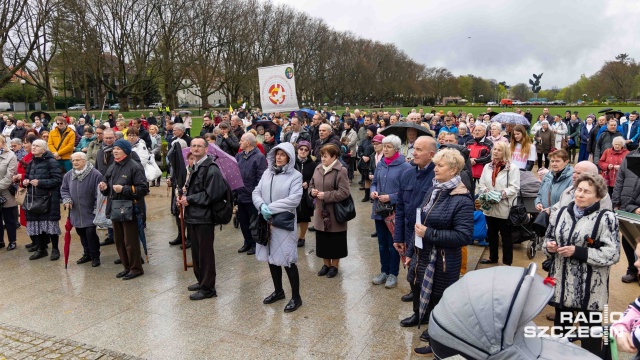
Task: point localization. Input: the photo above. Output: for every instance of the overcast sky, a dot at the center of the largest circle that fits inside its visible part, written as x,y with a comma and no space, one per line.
506,40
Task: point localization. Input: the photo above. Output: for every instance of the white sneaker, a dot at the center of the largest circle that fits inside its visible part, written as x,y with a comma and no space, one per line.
380,279
392,281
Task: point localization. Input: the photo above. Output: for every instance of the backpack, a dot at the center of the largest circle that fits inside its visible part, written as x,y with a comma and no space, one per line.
223,210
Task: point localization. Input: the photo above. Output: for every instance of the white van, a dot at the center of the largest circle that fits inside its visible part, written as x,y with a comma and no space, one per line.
5,106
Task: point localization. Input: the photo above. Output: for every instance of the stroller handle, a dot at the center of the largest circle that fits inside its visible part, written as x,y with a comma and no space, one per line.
531,270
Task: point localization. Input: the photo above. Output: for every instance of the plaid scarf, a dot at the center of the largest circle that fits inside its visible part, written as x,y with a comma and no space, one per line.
82,173
427,281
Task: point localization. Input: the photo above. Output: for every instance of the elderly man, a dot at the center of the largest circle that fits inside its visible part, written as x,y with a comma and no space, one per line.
79,192
205,189
449,125
62,142
297,133
605,140
407,147
207,125
414,185
227,140
414,118
479,150
179,132
236,126
393,119
19,132
252,164
18,150
326,137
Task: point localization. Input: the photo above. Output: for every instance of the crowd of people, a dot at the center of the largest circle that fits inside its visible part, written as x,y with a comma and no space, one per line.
424,184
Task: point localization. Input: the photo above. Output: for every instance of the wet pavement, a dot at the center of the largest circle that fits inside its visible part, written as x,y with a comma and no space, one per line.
85,308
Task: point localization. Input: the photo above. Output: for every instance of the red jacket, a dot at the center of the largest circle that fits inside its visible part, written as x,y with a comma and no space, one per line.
612,157
480,150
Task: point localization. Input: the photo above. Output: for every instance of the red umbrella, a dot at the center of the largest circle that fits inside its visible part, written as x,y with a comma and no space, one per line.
67,239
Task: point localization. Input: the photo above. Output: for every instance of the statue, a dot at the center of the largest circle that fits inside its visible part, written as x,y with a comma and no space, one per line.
535,85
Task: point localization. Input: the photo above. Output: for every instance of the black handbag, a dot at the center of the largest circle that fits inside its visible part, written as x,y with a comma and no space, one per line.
344,210
121,210
37,204
384,209
518,214
284,220
260,229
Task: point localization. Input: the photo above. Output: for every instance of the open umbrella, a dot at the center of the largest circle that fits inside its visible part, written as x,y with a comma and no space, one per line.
46,119
185,112
604,110
511,118
67,238
307,111
267,125
226,163
400,129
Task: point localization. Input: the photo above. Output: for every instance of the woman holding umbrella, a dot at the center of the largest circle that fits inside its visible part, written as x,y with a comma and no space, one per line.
306,166
79,192
43,179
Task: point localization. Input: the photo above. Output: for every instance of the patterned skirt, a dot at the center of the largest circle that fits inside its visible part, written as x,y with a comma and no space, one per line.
43,227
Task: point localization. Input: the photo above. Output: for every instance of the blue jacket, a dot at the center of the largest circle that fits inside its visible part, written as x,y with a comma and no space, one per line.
414,184
635,132
386,180
449,228
585,134
252,166
450,129
552,187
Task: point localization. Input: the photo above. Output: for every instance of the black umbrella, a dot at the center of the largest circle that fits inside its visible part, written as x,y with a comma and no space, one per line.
492,114
46,119
400,130
267,125
614,112
604,110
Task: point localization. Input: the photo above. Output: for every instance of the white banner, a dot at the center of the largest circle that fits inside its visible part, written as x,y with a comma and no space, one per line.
278,88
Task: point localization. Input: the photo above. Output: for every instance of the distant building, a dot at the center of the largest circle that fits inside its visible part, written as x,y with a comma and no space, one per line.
190,94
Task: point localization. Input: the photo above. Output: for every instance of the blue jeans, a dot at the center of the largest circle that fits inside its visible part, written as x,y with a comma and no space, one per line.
583,155
389,257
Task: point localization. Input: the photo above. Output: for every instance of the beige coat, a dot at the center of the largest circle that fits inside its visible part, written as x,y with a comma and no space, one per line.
508,180
324,183
8,168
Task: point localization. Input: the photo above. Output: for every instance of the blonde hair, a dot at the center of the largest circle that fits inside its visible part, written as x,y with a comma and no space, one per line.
506,152
452,158
3,143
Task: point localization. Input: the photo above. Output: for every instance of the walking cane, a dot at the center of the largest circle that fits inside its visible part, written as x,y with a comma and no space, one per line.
184,248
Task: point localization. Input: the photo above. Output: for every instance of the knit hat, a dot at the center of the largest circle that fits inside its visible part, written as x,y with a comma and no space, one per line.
378,138
373,129
124,145
304,143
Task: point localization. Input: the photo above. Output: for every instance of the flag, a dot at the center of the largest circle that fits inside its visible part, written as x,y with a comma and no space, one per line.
230,109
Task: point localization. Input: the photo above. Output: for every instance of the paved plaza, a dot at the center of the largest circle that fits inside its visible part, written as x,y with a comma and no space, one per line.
86,313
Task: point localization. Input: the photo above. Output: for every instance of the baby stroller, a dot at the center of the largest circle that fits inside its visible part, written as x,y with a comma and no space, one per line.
529,187
484,315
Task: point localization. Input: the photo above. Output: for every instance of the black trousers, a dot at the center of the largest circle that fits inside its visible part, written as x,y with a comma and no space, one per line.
203,254
591,344
244,214
433,300
495,226
9,221
350,161
629,253
90,241
546,160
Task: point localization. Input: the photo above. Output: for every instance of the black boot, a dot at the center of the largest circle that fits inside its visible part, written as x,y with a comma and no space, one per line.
367,196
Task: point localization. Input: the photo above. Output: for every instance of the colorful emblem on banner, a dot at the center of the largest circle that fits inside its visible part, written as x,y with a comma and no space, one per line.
288,72
276,94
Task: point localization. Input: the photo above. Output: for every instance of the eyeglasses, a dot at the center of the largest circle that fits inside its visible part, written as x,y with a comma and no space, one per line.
388,146
59,123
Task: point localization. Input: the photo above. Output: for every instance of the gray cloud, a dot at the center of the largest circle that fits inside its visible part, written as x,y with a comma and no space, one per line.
509,40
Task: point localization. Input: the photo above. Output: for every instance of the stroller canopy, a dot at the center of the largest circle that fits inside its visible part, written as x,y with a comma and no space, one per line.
483,315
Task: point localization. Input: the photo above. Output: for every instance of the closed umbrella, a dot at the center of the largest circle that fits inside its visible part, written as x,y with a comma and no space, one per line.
67,239
226,163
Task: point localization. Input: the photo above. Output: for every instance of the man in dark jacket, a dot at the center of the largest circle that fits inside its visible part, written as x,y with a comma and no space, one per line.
326,137
226,140
143,133
626,197
236,127
252,164
314,133
19,132
297,133
414,184
179,131
207,126
205,189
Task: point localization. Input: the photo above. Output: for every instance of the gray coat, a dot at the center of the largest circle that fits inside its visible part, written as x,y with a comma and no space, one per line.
82,195
626,192
281,192
8,168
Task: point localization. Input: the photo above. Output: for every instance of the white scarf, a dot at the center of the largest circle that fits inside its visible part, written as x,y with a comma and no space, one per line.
328,168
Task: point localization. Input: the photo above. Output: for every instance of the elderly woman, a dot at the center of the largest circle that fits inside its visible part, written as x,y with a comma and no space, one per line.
22,168
329,185
559,129
8,205
42,179
260,136
537,126
610,162
305,166
583,242
558,179
79,192
278,194
544,143
444,229
496,133
523,152
499,185
365,153
384,192
125,181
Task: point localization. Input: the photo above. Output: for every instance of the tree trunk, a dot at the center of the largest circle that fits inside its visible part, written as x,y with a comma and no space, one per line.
124,104
204,99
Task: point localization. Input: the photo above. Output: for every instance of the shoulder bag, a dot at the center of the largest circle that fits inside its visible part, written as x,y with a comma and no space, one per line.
518,214
344,210
260,229
37,204
121,210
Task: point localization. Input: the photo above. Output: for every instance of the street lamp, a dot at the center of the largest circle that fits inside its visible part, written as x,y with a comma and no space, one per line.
24,96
